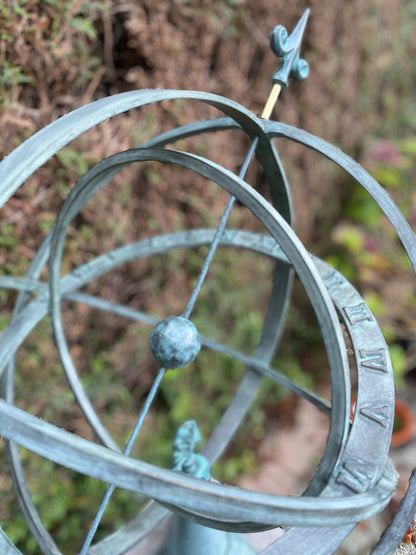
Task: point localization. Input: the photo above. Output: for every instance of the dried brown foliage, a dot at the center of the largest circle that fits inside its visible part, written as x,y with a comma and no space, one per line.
73,53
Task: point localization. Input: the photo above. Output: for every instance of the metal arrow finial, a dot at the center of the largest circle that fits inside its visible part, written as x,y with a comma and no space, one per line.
286,47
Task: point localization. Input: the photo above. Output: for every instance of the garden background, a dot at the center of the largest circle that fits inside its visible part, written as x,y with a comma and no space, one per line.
57,55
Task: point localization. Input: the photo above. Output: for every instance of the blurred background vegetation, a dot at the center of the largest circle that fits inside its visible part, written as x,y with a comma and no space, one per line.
57,55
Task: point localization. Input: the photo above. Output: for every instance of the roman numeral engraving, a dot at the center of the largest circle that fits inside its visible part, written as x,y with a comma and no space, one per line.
358,313
333,281
379,414
375,359
356,475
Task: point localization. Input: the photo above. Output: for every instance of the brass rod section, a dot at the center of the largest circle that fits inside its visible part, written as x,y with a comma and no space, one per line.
271,101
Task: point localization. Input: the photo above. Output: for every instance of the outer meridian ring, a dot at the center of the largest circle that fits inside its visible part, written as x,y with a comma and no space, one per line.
36,150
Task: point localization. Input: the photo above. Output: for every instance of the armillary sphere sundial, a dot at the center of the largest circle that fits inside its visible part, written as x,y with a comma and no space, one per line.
355,478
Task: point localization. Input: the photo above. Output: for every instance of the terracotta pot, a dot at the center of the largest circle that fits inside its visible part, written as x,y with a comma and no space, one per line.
404,424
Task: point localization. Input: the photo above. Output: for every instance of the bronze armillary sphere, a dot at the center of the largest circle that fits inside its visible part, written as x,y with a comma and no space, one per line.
355,478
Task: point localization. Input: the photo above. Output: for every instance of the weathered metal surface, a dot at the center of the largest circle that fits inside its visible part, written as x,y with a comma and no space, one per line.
288,48
175,342
396,530
184,457
185,537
